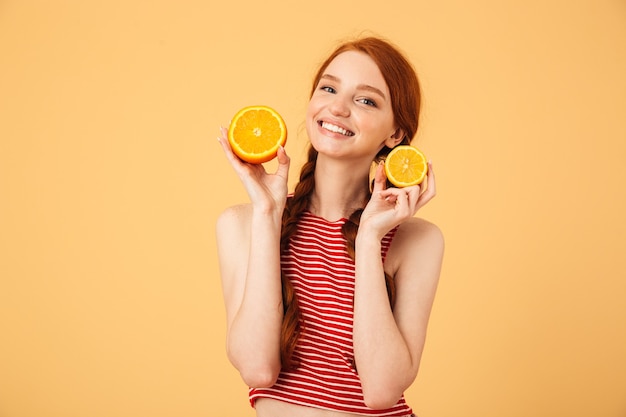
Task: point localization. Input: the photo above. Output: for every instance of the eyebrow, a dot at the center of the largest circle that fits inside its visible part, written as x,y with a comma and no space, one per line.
360,86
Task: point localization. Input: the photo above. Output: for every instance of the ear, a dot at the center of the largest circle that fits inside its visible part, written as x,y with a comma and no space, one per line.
395,138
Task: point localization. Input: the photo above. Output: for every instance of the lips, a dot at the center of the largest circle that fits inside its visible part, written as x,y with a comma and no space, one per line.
335,129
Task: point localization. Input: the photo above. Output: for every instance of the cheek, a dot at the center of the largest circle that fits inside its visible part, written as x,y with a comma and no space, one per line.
372,126
381,126
313,109
310,115
315,103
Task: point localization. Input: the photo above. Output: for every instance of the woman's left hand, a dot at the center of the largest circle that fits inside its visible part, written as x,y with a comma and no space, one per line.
389,207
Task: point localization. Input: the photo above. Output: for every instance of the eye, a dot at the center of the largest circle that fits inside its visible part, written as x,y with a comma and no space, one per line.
368,102
328,89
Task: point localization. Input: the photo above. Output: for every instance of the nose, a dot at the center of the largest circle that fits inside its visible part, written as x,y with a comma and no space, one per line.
340,106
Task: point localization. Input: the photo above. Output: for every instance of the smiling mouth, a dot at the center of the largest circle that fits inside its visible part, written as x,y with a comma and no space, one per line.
335,129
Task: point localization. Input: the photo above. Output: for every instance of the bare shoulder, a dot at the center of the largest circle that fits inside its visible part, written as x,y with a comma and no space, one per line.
233,218
416,242
234,213
417,232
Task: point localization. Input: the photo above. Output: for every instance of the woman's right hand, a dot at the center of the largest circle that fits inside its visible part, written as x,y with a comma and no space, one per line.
266,191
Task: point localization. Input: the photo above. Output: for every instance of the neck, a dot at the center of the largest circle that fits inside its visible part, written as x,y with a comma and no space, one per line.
339,190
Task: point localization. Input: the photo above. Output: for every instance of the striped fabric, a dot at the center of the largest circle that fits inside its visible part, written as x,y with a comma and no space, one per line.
323,276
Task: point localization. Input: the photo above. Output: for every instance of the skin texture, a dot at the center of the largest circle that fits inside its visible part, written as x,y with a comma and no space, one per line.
353,96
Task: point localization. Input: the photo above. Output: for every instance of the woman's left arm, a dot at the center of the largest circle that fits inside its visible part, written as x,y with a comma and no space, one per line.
388,343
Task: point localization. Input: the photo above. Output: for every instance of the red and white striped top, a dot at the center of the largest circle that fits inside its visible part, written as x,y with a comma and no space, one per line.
322,273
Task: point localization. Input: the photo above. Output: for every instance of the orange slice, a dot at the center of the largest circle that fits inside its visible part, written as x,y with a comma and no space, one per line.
405,165
256,132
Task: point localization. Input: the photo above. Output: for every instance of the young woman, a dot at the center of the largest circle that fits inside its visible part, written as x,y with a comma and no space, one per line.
328,291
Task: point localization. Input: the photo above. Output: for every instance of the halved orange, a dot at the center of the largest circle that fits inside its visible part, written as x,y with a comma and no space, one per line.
405,165
256,132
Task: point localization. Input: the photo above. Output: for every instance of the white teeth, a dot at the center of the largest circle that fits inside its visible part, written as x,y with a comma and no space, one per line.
336,129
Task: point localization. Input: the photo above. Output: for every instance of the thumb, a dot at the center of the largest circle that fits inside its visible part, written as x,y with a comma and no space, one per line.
283,162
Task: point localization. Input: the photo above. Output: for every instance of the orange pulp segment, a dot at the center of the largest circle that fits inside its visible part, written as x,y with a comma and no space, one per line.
256,132
405,165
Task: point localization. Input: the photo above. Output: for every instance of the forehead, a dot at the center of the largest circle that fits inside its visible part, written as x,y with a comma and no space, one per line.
358,68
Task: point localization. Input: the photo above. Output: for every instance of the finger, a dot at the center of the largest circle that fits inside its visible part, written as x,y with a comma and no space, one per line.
380,179
430,181
394,195
392,192
404,204
431,176
234,160
223,141
431,190
224,133
413,192
283,162
223,137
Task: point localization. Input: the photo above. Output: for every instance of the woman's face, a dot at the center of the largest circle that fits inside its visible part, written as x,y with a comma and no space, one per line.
350,115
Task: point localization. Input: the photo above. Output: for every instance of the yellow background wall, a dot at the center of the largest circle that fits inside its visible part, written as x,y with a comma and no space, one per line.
111,180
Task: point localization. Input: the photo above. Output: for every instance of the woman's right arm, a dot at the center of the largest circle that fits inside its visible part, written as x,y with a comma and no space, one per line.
248,240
